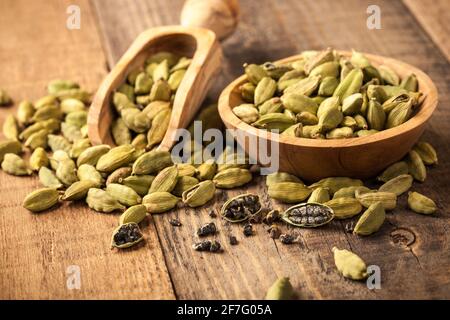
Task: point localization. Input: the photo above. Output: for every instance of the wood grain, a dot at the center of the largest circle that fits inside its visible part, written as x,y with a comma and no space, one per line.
433,16
37,249
270,30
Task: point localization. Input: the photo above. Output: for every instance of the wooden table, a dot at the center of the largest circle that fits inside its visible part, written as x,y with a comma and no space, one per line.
36,249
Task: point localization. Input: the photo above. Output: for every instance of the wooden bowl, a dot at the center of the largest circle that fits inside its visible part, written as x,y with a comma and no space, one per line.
198,43
360,157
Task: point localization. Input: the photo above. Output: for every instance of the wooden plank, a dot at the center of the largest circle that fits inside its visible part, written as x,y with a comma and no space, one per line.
271,30
37,249
433,16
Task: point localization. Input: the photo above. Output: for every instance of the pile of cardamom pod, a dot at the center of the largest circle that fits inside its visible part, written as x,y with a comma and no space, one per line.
147,98
347,197
324,95
124,178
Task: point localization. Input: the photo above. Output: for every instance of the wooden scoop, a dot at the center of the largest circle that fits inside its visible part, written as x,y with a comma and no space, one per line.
198,43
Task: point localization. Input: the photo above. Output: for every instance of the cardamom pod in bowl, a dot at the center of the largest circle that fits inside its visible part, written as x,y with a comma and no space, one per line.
359,113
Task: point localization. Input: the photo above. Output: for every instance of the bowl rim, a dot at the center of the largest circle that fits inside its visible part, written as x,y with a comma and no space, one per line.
427,108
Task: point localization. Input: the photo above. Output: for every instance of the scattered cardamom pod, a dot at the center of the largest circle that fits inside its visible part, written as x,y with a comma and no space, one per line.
280,290
420,203
371,220
349,264
41,199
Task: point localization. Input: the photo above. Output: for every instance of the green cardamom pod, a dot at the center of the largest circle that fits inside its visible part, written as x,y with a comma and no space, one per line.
371,220
25,112
255,73
298,103
420,203
46,112
184,183
416,167
72,105
41,199
318,59
48,178
175,79
426,152
134,214
88,172
115,158
78,147
38,159
340,133
330,119
352,104
280,290
139,142
333,184
37,140
327,86
349,264
273,105
305,86
376,117
9,146
57,85
307,118
232,178
46,100
58,143
101,201
126,235
293,131
206,171
350,192
361,122
199,194
289,192
264,90
144,83
77,118
389,76
277,177
248,92
92,154
141,184
246,112
161,71
410,83
165,180
71,132
394,170
5,99
118,175
274,121
398,185
319,195
160,91
125,195
10,128
78,190
350,84
393,102
157,132
327,69
152,162
400,114
159,202
344,208
66,172
15,165
387,199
